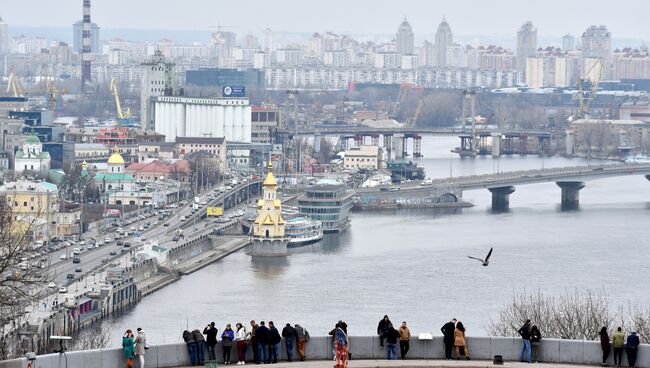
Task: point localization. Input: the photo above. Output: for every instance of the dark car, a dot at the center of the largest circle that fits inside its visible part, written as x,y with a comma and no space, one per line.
78,269
127,245
76,260
120,243
70,276
113,253
175,238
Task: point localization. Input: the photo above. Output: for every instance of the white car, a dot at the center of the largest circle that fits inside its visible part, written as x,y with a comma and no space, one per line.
63,290
182,218
107,240
64,256
141,228
52,285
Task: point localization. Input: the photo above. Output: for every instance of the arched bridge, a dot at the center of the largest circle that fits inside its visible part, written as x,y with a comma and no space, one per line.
501,185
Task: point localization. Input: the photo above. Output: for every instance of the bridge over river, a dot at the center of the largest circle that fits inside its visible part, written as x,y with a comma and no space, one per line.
448,191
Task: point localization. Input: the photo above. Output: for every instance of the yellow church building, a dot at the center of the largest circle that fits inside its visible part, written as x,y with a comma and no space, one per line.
268,229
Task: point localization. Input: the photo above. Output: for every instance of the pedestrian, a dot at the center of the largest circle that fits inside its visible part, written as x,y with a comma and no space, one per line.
274,342
262,335
200,346
253,341
140,346
211,339
535,341
341,346
604,345
289,334
128,347
241,336
524,332
404,338
392,336
631,349
302,337
448,336
459,341
382,328
227,338
618,343
191,346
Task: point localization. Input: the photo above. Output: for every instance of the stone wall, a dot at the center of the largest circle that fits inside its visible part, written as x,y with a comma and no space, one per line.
361,347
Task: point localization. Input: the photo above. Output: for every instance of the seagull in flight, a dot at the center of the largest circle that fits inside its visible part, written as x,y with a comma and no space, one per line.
485,261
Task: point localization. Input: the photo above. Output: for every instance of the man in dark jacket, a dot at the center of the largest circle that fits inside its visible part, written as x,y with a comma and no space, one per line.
631,349
211,339
392,335
200,346
524,332
448,336
382,328
289,334
191,346
301,339
253,341
262,335
274,343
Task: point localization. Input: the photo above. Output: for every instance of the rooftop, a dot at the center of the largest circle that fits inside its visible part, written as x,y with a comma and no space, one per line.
200,140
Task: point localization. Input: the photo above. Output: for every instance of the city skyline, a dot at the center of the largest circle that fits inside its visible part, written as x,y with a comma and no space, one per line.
625,21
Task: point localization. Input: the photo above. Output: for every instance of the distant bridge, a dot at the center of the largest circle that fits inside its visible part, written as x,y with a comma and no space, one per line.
501,185
367,131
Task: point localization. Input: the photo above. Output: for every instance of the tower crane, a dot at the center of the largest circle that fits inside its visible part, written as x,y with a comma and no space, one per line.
121,114
585,98
13,86
53,92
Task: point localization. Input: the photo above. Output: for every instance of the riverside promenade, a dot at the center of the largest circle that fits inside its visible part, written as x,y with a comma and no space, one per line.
365,353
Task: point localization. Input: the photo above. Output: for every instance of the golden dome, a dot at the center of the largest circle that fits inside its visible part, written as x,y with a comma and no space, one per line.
270,179
116,158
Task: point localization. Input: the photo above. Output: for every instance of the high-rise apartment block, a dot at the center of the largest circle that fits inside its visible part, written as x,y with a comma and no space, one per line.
526,45
404,38
77,37
568,42
596,44
158,79
444,40
4,38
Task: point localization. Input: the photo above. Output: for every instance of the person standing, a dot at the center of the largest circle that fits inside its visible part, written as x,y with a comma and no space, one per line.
631,349
382,328
448,336
274,342
535,341
301,341
241,337
211,339
404,338
227,338
459,341
604,345
191,346
200,346
253,341
392,336
140,346
524,332
618,343
289,334
262,336
128,347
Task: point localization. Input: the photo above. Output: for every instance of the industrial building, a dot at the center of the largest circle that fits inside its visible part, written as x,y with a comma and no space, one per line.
216,77
202,117
158,79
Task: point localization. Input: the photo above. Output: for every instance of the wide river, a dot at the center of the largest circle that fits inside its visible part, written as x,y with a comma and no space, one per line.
413,265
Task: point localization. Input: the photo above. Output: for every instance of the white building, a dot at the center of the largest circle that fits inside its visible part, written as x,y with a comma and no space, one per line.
157,79
202,117
4,37
362,157
31,157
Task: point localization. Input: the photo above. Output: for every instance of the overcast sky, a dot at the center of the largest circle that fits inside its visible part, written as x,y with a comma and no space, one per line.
624,18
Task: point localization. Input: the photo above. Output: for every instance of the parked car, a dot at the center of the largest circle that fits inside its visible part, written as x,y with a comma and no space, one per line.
63,290
104,259
52,285
76,260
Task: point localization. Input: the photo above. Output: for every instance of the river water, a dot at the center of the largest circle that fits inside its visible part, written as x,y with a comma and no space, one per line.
413,265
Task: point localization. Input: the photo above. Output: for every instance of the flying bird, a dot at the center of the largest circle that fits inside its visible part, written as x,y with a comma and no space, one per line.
485,261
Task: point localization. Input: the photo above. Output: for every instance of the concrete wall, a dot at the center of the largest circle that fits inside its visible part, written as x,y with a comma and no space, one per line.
361,347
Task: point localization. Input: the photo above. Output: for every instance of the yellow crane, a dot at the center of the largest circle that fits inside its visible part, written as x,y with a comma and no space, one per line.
120,114
594,74
14,87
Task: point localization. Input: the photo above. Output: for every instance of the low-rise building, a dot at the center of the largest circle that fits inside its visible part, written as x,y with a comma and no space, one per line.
362,157
91,151
31,157
329,203
162,151
35,204
608,135
215,147
157,170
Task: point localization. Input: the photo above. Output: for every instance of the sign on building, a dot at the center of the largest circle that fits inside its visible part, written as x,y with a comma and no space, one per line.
215,211
234,91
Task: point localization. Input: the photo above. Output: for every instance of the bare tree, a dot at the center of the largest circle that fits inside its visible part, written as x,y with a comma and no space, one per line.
92,338
21,279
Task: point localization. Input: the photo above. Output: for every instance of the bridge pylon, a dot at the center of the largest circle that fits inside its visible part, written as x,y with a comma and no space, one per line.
501,198
570,194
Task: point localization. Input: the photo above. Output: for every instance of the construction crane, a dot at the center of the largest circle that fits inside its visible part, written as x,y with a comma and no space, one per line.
53,93
13,86
585,98
122,115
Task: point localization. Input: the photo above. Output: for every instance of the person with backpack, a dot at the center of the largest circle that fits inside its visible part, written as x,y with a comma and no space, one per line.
526,352
302,336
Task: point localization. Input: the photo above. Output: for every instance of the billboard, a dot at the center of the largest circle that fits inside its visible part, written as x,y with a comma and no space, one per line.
233,91
214,211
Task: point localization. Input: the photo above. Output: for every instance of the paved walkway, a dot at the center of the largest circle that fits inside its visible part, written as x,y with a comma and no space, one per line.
414,364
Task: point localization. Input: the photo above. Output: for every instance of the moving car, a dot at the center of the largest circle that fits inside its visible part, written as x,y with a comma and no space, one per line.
70,276
52,285
77,269
76,260
63,290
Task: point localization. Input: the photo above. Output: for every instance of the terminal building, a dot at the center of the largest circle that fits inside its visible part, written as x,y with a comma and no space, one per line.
329,203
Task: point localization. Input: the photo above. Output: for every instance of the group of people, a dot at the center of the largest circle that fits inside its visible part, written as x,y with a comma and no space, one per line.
619,344
531,338
387,331
134,347
263,339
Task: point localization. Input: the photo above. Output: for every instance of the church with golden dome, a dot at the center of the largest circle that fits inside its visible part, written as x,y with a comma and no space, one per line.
268,237
115,177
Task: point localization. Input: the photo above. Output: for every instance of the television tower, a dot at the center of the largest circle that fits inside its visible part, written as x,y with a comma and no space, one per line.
86,47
